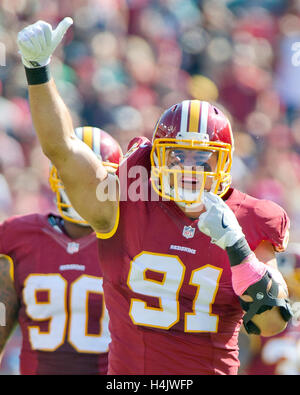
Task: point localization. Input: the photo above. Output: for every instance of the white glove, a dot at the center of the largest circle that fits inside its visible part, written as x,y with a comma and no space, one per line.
219,222
37,42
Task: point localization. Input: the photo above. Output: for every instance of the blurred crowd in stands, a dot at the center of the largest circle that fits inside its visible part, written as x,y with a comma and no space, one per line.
124,61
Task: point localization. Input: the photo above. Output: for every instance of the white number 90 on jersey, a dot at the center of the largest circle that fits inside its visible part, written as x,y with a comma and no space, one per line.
62,325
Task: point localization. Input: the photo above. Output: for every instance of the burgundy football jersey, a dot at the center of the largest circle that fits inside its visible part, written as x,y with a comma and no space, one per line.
168,289
58,280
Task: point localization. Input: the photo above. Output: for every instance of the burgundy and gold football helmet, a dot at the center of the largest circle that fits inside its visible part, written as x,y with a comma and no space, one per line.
197,126
107,150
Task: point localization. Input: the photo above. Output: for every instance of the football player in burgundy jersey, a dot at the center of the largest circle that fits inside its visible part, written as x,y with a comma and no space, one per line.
181,251
51,281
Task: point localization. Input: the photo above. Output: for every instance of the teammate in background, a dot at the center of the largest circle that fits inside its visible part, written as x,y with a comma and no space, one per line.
179,247
280,355
51,281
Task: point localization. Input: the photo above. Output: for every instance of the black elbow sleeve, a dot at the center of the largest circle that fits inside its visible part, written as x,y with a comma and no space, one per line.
264,298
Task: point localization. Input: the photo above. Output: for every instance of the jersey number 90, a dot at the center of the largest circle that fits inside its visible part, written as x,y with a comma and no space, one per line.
64,322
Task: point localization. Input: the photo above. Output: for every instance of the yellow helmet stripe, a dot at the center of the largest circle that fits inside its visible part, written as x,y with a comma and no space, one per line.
194,116
88,136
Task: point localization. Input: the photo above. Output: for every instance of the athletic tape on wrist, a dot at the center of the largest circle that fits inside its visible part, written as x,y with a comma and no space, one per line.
249,272
238,252
38,75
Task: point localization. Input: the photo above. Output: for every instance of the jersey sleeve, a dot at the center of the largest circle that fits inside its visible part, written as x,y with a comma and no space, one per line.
13,229
273,222
133,176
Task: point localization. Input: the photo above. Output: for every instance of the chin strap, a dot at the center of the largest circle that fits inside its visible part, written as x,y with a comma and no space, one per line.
69,211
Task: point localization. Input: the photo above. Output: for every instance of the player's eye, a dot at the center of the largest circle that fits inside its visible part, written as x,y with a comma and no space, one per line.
190,158
176,157
202,157
200,162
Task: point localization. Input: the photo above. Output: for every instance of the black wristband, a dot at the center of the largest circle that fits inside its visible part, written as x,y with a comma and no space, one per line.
38,75
238,252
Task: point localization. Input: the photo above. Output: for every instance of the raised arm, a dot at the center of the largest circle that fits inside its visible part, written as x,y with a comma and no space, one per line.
78,167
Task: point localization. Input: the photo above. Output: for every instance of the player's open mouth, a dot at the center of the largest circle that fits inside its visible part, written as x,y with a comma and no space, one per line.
190,183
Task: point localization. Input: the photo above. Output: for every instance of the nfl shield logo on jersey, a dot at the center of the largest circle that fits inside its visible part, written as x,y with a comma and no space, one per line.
72,248
188,232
